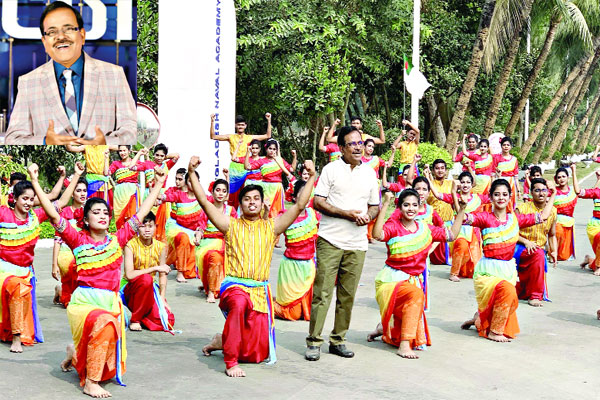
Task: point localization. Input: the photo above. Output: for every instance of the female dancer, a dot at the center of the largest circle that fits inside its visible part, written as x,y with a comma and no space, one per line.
126,197
166,161
495,274
593,227
271,168
253,176
95,312
63,261
483,163
210,249
507,166
19,232
400,288
469,146
180,229
298,266
565,201
466,249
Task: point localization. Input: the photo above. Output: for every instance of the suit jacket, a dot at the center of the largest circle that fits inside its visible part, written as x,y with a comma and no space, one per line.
107,102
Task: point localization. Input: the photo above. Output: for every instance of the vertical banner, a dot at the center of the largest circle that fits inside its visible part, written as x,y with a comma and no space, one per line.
196,78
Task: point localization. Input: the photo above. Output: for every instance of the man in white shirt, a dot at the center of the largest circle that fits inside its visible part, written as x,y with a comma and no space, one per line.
348,197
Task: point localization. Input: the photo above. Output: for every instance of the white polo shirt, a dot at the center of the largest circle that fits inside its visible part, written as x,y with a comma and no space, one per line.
347,189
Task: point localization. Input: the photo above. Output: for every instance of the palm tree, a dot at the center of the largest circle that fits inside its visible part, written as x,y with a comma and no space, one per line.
564,12
564,126
581,126
469,83
558,95
584,140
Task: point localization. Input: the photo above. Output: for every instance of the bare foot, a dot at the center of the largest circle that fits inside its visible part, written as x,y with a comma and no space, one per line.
498,338
586,261
597,272
135,326
454,278
180,278
535,303
57,293
235,372
67,364
215,344
16,347
468,324
405,351
376,333
211,297
92,389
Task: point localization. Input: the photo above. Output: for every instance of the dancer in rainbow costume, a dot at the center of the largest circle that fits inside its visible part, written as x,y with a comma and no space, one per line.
95,312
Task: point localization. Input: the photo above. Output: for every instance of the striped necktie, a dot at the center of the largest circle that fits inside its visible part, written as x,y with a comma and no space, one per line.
70,103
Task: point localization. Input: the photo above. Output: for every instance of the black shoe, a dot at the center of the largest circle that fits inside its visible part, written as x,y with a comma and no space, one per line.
313,353
340,350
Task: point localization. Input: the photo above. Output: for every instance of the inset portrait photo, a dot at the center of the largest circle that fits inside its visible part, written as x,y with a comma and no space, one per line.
68,72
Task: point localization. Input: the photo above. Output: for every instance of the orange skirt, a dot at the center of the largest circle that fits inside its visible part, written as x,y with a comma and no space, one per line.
465,256
182,254
404,317
17,315
500,315
566,243
299,309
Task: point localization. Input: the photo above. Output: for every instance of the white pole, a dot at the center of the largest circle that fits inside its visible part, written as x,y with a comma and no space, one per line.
414,103
526,132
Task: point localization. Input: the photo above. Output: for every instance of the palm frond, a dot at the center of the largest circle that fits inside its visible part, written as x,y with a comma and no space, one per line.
576,24
508,20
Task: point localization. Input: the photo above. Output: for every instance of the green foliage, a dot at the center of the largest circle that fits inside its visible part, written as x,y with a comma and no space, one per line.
7,167
147,53
430,152
48,158
516,151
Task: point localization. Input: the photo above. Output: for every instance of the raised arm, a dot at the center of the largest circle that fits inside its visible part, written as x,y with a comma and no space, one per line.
294,160
410,176
247,164
330,138
268,134
381,138
68,193
55,192
596,150
458,219
283,221
390,162
547,211
384,181
46,204
106,171
136,158
322,146
575,180
380,221
220,220
160,176
414,128
213,135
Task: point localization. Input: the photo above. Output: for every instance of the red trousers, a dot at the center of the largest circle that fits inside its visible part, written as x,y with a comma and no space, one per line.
139,296
531,275
245,335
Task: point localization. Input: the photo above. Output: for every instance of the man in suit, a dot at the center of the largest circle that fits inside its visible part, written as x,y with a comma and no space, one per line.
73,98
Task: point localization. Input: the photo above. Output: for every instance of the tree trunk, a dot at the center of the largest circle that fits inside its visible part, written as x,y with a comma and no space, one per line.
541,144
537,67
386,105
558,95
439,136
471,78
510,57
564,126
363,100
587,133
582,127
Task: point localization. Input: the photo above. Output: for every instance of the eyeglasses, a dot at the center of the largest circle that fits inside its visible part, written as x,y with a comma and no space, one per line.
360,143
540,190
66,30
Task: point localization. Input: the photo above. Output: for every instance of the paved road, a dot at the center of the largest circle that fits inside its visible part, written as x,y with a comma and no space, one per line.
555,356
